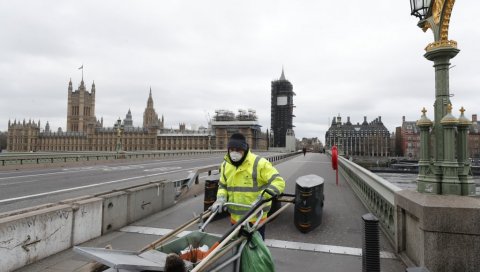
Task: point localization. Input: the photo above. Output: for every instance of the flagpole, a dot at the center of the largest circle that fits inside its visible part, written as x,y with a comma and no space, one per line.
81,67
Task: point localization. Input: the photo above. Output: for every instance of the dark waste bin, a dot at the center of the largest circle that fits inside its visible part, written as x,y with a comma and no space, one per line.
309,199
211,188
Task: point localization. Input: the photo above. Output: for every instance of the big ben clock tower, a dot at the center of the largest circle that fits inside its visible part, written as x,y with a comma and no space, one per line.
281,110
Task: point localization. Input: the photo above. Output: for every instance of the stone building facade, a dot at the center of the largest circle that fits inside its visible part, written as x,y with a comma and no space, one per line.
225,123
410,139
366,139
86,133
474,139
407,139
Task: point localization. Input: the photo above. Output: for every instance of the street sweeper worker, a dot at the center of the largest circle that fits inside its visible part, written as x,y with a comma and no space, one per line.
244,176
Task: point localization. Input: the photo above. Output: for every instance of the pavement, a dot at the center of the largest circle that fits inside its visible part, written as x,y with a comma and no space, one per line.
334,246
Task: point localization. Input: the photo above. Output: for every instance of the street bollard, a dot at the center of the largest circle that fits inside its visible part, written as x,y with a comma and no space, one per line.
309,199
371,244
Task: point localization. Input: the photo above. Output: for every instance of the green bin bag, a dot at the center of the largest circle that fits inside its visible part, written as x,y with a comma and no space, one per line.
256,256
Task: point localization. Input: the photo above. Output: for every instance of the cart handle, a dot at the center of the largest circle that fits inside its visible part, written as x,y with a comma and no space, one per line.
202,228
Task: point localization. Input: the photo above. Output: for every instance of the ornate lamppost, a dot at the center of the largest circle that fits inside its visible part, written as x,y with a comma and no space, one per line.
442,174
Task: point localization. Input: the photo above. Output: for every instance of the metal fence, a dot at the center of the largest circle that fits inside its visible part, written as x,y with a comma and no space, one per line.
49,158
193,176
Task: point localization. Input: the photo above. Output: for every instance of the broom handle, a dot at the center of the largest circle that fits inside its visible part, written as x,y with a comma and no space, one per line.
176,231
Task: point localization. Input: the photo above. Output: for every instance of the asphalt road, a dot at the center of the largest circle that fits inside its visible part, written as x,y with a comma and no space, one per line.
27,188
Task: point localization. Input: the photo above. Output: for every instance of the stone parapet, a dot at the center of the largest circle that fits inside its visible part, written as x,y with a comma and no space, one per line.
440,232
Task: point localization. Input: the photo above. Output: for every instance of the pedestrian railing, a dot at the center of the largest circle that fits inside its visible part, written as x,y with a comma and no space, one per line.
376,193
49,158
194,175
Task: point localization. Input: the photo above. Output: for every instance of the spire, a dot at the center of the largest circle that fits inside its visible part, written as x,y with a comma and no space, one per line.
93,86
70,85
282,77
150,99
82,85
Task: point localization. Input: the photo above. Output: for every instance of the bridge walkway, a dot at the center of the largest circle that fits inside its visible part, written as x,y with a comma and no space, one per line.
333,246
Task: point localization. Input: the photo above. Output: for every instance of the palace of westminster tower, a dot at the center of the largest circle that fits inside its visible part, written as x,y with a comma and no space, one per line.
85,133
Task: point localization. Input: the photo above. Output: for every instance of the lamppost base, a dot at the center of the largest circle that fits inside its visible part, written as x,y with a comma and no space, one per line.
468,189
461,189
429,187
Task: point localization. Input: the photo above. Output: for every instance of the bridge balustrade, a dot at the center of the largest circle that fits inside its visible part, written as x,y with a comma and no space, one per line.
376,193
38,158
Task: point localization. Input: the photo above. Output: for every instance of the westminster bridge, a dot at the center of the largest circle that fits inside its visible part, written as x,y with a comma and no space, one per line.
437,232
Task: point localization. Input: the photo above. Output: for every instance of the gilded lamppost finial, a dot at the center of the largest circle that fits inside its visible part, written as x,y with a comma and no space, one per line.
438,22
449,108
424,111
462,110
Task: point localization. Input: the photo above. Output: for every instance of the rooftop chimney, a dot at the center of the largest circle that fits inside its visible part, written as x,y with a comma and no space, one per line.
474,118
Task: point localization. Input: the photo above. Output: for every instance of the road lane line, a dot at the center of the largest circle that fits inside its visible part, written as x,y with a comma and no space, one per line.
273,243
91,168
20,182
43,174
3,201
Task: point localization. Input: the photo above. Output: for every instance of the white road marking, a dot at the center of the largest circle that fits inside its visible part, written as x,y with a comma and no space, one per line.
163,169
87,186
95,168
270,243
41,174
20,182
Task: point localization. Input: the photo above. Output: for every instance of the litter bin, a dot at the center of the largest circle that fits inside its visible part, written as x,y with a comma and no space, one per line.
211,188
309,199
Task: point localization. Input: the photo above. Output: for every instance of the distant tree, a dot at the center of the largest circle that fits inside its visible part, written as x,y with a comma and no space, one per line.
3,140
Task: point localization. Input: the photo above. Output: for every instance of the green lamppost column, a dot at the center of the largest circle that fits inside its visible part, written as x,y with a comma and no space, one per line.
441,58
464,167
426,180
435,15
449,165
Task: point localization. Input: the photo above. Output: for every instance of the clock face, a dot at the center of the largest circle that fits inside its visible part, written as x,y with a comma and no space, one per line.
281,100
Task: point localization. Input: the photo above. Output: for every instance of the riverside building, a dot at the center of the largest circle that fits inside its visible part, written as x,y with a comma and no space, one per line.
86,133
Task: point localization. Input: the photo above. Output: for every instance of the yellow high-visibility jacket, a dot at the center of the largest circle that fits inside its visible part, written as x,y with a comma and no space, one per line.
244,184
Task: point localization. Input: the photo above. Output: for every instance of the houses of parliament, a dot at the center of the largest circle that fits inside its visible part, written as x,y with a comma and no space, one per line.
84,132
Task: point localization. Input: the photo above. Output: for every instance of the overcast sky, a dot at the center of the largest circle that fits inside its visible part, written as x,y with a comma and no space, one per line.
354,58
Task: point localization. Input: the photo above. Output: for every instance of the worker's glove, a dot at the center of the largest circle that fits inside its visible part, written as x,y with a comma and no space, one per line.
217,206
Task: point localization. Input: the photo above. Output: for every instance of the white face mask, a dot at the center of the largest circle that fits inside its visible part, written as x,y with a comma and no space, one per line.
235,156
